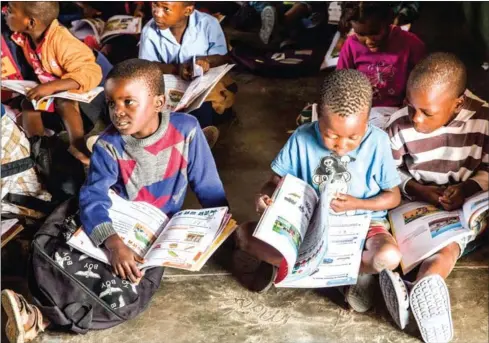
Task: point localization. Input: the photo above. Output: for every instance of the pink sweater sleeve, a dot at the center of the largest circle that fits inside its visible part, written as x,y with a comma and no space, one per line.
345,61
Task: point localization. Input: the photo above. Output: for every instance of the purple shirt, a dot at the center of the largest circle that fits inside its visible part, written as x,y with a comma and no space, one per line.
387,70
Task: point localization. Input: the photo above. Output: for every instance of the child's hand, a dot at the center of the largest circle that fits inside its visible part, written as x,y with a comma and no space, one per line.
453,198
90,12
123,259
262,202
139,13
204,63
345,202
40,91
430,194
185,71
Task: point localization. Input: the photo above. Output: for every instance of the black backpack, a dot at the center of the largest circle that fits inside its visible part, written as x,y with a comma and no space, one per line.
75,292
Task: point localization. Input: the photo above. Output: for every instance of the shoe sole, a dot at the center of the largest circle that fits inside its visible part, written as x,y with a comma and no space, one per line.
393,297
14,329
254,274
268,17
357,303
430,304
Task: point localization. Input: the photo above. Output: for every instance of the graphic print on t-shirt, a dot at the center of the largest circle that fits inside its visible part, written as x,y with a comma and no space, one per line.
333,171
381,75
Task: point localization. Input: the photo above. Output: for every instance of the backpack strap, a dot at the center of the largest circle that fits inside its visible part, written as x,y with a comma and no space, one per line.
18,166
30,202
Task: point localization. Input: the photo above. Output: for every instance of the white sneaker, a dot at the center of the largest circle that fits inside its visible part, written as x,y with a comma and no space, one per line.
396,297
430,304
360,297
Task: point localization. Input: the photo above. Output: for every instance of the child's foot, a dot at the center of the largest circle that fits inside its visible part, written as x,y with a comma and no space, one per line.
430,304
396,297
360,297
24,321
268,23
80,156
254,274
211,134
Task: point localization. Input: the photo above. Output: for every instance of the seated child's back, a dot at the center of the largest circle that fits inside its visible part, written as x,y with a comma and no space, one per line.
384,53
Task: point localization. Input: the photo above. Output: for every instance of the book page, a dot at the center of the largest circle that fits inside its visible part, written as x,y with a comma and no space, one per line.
83,28
22,87
186,236
80,97
202,85
340,264
7,224
121,25
285,222
175,88
475,211
137,223
422,229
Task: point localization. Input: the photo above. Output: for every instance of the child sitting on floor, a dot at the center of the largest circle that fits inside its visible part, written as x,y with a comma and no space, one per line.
146,155
440,143
61,63
383,52
342,133
173,37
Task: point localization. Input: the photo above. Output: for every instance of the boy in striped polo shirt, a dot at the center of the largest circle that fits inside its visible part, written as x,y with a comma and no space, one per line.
440,143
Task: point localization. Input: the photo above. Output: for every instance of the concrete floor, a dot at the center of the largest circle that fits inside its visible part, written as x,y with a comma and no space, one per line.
210,306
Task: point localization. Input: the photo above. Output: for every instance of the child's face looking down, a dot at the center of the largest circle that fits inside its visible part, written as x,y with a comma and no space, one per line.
169,14
430,109
16,19
133,108
371,33
343,134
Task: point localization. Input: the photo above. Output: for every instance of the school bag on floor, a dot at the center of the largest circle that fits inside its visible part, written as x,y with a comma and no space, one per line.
78,293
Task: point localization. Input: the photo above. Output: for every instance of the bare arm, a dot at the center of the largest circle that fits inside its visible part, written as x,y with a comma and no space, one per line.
386,200
216,60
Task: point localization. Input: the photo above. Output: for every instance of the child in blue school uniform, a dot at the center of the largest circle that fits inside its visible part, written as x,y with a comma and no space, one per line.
173,37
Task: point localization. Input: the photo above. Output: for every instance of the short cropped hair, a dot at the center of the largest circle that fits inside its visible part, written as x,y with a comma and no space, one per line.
45,11
147,71
345,92
439,69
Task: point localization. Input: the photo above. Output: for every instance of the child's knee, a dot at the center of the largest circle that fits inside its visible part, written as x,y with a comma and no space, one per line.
387,257
244,235
65,107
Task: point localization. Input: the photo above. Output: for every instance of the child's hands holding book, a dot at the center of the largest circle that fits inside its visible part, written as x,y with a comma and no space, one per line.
345,202
40,91
262,202
123,259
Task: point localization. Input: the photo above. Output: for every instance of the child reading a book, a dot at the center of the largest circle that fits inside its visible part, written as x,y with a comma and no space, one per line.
146,155
173,37
440,144
61,63
352,159
383,52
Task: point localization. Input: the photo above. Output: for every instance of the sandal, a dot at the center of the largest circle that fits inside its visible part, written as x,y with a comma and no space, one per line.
396,297
18,316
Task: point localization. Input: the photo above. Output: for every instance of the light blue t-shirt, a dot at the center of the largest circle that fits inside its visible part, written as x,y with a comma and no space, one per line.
203,37
362,173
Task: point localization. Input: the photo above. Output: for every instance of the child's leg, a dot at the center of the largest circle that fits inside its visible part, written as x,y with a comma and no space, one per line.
381,251
440,263
31,120
69,112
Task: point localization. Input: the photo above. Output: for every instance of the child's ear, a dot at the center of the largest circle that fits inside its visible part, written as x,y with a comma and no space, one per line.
189,10
32,24
159,102
459,103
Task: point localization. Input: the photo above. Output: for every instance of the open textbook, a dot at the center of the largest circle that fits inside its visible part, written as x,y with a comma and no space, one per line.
103,31
22,87
186,241
319,249
422,229
190,95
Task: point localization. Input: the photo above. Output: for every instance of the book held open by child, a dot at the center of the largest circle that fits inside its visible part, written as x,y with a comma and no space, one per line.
190,95
319,249
43,104
422,229
103,31
186,241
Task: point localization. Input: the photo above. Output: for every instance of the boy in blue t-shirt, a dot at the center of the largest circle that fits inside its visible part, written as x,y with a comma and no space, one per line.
354,158
173,37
